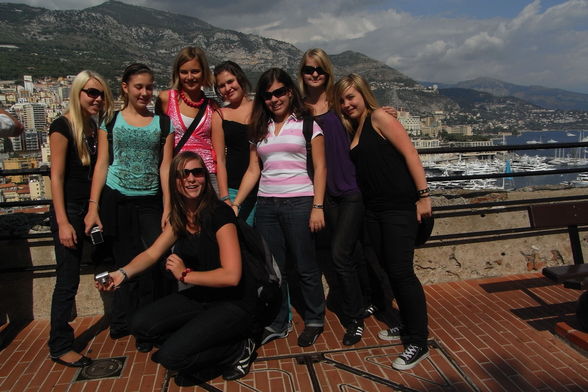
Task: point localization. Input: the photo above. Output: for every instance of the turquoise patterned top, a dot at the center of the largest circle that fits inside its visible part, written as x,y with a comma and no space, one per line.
135,168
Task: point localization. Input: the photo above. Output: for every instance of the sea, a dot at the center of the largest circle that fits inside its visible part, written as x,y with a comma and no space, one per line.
557,157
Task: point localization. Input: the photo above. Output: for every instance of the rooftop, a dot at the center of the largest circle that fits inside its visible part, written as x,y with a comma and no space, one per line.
499,334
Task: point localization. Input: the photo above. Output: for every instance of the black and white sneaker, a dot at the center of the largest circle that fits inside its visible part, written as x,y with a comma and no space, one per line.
354,333
241,367
269,334
410,357
369,310
394,333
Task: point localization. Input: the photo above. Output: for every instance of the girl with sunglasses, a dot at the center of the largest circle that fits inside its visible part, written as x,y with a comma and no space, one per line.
289,203
229,134
188,108
72,139
343,202
394,187
207,323
128,189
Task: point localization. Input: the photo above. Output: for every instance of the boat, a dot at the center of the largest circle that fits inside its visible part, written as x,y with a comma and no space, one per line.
570,134
552,141
532,142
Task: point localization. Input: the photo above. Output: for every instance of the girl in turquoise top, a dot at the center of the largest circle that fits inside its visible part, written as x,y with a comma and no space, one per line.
131,190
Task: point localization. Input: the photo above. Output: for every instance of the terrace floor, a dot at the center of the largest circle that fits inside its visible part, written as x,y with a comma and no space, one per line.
485,335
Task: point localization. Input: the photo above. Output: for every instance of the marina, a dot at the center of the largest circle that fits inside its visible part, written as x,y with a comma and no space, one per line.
479,164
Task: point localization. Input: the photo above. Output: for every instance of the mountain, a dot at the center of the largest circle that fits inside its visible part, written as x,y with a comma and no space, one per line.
548,98
109,36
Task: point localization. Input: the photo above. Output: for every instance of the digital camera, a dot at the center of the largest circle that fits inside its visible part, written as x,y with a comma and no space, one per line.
96,235
103,278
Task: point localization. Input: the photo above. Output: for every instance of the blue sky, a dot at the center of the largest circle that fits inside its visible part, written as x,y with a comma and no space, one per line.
527,42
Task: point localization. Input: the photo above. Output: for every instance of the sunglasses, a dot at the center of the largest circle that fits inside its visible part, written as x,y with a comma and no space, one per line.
308,70
196,172
279,92
93,93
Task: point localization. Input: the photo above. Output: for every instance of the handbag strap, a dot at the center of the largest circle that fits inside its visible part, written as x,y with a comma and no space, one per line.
191,128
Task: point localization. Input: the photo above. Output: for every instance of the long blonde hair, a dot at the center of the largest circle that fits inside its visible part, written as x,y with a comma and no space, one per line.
78,119
360,84
323,60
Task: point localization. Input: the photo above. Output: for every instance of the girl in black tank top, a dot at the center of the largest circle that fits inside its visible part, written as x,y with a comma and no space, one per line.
392,180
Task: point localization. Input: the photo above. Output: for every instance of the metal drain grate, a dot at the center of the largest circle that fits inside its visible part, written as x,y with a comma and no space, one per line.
102,368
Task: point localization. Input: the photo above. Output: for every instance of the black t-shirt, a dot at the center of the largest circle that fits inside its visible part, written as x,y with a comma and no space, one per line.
200,252
77,177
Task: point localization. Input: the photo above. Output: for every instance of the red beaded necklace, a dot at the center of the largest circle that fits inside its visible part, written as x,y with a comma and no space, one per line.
189,102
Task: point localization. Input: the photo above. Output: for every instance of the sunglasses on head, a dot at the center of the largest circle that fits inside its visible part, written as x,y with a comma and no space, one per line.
196,172
93,92
279,92
308,70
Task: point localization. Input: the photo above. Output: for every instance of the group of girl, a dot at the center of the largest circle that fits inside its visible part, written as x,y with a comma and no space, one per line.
166,188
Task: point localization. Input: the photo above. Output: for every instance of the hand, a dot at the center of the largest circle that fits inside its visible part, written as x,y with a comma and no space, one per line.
90,220
229,202
67,235
235,209
175,265
391,111
424,208
317,220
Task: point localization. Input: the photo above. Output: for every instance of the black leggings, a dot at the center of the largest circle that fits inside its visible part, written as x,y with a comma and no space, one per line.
192,335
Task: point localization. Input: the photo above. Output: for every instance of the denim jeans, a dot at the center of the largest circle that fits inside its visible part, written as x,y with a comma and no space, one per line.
192,335
61,335
344,215
284,223
393,233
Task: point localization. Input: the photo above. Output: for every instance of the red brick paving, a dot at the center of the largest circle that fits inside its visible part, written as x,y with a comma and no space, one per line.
495,334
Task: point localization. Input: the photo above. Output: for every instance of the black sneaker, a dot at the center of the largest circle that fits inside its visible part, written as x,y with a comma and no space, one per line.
353,333
394,333
369,310
309,335
241,367
411,356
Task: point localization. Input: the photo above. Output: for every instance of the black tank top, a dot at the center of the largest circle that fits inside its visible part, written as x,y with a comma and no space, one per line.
237,145
384,179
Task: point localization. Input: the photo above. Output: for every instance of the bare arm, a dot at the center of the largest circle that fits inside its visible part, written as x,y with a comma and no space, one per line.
227,275
98,180
168,151
218,143
58,146
317,217
250,178
391,129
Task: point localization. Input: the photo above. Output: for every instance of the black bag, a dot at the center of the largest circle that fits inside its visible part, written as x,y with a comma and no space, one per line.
261,269
307,132
424,230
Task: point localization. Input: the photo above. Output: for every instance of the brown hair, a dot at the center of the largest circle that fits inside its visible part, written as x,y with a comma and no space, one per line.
360,84
185,55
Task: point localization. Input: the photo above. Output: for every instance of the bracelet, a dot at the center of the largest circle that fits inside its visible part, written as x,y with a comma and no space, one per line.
424,196
319,206
126,276
225,198
92,201
184,273
421,192
238,205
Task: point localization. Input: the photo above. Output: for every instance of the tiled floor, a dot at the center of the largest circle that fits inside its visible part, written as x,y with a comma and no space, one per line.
486,335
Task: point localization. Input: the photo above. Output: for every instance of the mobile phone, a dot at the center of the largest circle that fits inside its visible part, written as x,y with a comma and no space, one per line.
103,278
96,235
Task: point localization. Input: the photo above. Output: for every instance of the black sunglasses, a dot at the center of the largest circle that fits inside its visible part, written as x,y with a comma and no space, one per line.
308,70
196,172
279,92
93,93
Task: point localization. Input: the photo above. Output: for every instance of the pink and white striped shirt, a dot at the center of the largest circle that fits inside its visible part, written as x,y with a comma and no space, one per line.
284,171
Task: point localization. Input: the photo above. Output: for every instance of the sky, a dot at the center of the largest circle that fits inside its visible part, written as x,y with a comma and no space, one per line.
526,42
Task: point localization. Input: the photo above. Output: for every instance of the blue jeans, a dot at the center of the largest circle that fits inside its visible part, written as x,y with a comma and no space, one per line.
393,233
61,335
284,223
344,215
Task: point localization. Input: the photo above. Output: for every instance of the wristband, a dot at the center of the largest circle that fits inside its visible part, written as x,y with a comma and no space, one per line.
225,198
424,196
184,273
421,192
92,201
318,206
124,273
